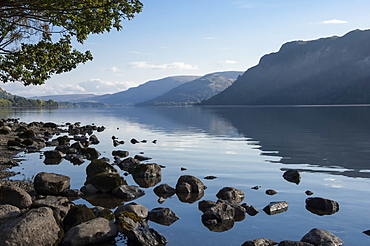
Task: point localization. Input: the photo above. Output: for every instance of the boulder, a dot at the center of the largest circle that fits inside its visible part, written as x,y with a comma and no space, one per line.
189,184
72,193
128,164
292,176
50,125
103,212
88,189
51,183
147,170
321,237
77,145
219,226
63,140
164,190
163,216
137,231
77,214
99,166
106,182
190,197
94,139
60,205
94,232
147,181
120,153
15,196
204,205
260,242
35,227
276,208
90,153
321,206
53,154
133,207
294,243
128,192
8,211
27,134
230,193
252,211
270,192
220,211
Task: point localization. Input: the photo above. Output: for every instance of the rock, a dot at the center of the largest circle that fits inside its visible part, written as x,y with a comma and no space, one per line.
103,212
138,232
160,200
183,169
164,190
35,227
77,145
189,184
141,158
93,232
53,154
128,164
88,189
77,214
321,237
270,192
147,181
106,182
94,139
60,205
367,232
128,192
219,226
220,211
16,143
15,196
230,193
252,211
104,200
276,208
5,131
163,216
294,243
292,176
190,197
260,242
308,192
51,183
147,170
120,153
27,134
321,206
50,125
134,141
205,205
99,166
90,153
72,193
63,140
210,177
257,187
75,159
8,211
133,207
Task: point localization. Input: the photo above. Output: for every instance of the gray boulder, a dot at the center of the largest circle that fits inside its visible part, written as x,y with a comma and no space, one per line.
96,231
189,184
133,207
120,153
53,154
321,206
164,190
35,227
319,237
205,205
147,170
106,182
8,211
230,193
77,214
163,216
276,208
88,189
59,204
294,243
90,153
128,164
220,211
99,166
15,196
128,192
51,183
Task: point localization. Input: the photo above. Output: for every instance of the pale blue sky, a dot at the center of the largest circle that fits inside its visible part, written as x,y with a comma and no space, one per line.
196,37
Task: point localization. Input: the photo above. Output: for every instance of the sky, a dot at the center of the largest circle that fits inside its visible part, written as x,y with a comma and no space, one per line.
197,37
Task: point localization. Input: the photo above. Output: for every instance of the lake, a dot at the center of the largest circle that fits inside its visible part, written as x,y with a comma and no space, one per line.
243,147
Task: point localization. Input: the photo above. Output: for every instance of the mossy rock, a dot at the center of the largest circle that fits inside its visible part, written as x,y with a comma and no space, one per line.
76,215
106,182
107,214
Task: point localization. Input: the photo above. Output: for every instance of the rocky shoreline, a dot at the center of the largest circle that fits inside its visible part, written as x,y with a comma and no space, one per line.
42,212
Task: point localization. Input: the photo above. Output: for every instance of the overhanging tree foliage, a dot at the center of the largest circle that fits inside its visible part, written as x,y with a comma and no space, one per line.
36,35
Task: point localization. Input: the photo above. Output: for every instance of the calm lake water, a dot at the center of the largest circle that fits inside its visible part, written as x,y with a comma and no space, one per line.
243,147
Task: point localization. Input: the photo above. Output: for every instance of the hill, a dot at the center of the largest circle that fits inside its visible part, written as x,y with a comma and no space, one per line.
143,92
194,91
334,70
65,98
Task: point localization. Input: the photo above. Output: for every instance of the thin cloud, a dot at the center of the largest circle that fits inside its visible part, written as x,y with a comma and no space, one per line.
210,38
112,69
228,62
139,53
334,21
172,65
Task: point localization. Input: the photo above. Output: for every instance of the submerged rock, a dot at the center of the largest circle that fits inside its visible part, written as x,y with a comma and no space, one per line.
164,190
292,176
147,170
163,216
230,193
